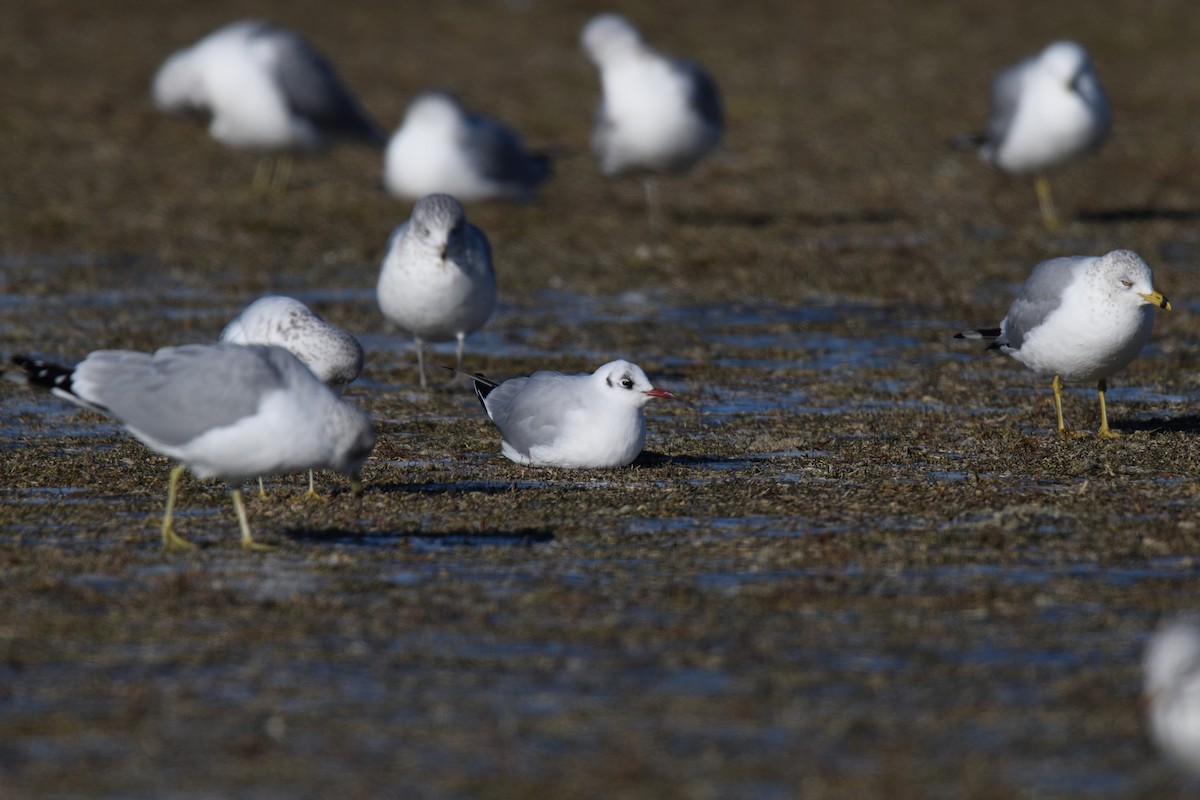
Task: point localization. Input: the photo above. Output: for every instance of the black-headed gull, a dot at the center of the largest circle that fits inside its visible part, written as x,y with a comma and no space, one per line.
1080,318
222,411
437,280
442,148
1045,111
583,421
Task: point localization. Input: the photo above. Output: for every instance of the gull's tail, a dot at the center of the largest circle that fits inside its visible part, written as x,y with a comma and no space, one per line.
482,385
968,142
991,334
55,378
45,374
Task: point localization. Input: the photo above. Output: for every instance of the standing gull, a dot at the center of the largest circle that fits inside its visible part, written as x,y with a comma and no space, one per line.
657,113
1079,318
437,281
333,355
223,411
266,90
1045,111
1172,691
443,148
583,421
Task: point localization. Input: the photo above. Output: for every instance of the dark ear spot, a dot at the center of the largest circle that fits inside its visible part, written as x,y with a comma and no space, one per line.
608,380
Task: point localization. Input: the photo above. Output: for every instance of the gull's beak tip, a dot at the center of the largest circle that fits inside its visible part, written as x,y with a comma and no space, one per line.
1156,298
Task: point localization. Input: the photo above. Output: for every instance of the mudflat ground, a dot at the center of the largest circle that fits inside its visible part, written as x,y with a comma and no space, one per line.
855,562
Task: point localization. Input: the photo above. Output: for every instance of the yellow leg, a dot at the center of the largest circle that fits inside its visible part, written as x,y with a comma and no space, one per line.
262,175
262,490
1104,432
1041,185
282,174
1057,386
653,203
313,494
356,486
247,540
171,539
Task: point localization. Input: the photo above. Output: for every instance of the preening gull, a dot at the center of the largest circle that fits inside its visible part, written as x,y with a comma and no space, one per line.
265,89
222,411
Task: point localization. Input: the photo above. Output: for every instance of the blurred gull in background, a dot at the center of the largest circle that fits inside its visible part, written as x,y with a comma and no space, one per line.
442,148
657,113
266,90
1172,690
1045,111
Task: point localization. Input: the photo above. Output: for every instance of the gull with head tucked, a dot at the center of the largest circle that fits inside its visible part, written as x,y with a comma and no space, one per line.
437,280
333,355
1079,318
442,148
266,90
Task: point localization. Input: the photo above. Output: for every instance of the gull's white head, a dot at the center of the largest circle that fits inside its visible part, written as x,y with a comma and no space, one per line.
609,36
354,439
178,85
440,221
1065,60
434,110
623,382
1123,277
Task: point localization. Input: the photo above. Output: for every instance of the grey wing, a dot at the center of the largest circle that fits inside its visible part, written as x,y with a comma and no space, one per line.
705,100
183,392
531,411
314,90
500,156
481,252
602,131
1004,98
1042,293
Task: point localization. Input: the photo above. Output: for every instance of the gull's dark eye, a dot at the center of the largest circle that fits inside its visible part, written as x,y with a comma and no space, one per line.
627,382
1127,284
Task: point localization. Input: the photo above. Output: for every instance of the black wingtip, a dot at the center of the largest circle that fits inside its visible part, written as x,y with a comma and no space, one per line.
481,383
45,374
964,142
981,333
